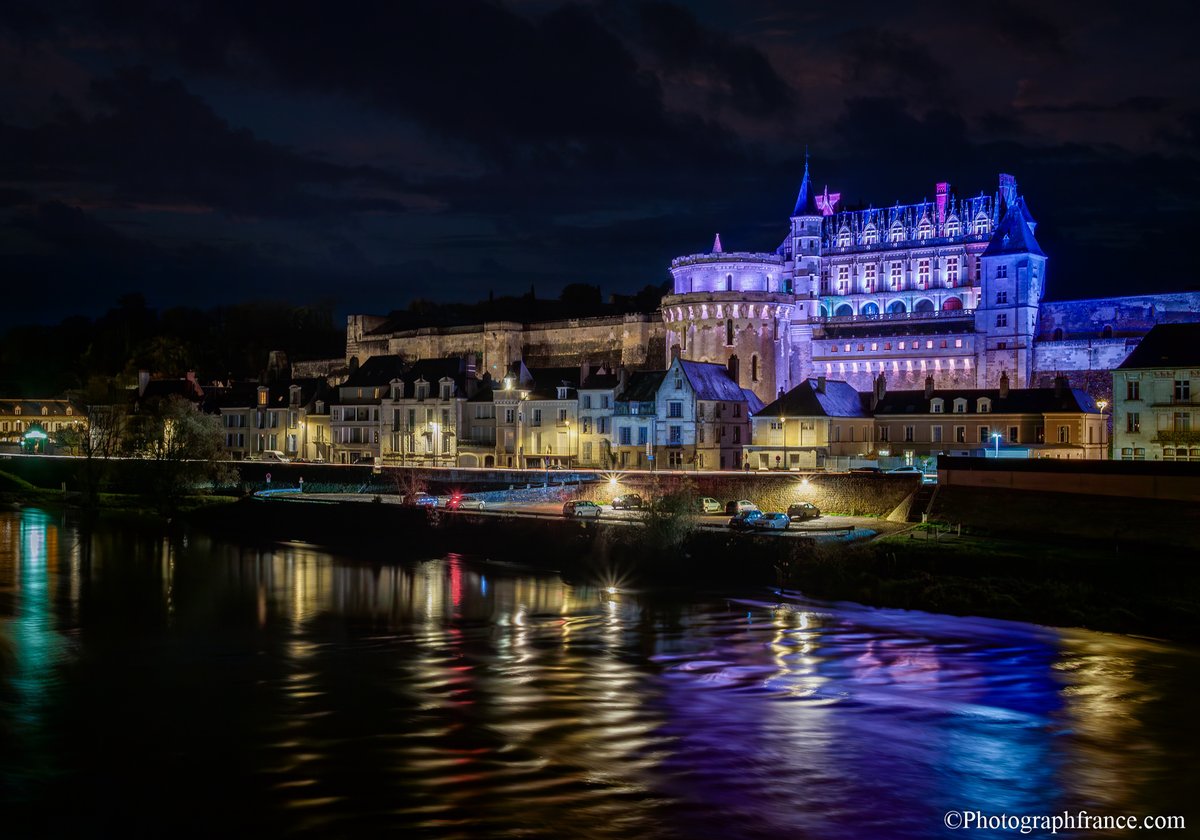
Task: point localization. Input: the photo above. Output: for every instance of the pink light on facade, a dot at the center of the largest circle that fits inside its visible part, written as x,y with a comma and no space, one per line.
828,201
943,195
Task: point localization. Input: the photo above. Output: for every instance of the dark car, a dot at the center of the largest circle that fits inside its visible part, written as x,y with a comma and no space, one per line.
420,500
802,511
630,501
867,470
745,520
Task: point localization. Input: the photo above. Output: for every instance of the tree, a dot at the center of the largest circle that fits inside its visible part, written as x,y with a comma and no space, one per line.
181,448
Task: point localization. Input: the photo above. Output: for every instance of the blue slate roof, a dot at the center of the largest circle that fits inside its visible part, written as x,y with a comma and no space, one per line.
711,381
643,386
1014,235
1018,401
839,400
1166,346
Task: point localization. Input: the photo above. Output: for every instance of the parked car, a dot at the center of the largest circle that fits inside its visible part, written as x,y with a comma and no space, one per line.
273,456
772,522
420,500
708,505
581,510
745,520
739,506
868,470
906,470
802,511
464,503
630,501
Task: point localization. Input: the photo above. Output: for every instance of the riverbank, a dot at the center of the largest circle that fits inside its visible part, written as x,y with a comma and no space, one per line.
1047,579
1068,583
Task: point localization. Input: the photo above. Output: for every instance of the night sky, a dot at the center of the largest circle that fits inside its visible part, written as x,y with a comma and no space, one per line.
365,154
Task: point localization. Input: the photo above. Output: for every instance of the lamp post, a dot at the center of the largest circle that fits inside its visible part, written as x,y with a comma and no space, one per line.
996,437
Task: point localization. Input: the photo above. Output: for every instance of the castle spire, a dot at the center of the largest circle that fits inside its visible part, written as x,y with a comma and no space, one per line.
806,201
717,245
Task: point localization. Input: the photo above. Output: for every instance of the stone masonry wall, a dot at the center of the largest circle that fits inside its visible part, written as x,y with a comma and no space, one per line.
864,495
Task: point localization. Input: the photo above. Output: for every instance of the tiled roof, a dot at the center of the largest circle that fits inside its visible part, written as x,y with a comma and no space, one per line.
1018,401
643,386
1013,235
33,408
711,381
1166,346
839,400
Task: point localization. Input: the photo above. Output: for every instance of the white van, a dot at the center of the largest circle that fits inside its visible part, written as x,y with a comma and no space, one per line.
274,455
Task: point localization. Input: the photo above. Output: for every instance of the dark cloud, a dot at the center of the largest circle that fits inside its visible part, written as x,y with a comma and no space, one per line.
735,73
1027,30
152,143
378,152
897,61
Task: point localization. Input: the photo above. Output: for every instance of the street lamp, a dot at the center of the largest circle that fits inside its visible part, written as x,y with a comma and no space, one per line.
996,437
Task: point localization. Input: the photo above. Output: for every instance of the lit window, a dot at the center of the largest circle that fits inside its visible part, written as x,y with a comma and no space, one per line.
958,342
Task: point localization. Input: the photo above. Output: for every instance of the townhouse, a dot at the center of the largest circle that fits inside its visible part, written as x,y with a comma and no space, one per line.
1156,397
288,416
818,419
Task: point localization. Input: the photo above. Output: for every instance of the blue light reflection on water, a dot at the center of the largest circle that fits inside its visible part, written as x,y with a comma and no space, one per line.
453,696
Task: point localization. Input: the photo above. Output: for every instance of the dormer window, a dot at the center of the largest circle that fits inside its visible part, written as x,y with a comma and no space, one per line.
17,410
937,405
262,396
924,230
984,406
870,235
446,390
960,406
981,224
397,389
70,411
562,393
45,411
320,406
422,390
896,234
843,239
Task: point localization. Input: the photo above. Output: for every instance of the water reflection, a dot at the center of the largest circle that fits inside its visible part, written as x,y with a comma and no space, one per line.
458,697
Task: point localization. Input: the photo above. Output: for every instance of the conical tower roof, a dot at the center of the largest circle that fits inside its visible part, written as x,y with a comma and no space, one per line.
806,201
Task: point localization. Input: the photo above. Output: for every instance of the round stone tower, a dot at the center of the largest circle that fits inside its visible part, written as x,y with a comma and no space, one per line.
733,304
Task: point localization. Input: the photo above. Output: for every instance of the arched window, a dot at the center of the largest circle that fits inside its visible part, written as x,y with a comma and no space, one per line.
754,368
729,333
844,309
1058,334
924,305
1107,331
897,307
729,282
951,304
869,308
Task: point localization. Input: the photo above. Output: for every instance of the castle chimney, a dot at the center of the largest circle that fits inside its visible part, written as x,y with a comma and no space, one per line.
780,393
1003,384
820,384
622,380
143,381
1060,385
675,352
733,368
584,369
929,387
879,390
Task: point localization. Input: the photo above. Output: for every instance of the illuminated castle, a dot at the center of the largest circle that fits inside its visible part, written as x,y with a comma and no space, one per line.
950,289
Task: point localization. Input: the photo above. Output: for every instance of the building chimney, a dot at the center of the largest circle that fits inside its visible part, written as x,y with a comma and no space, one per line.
1003,384
1061,385
929,387
584,370
675,352
622,380
820,384
733,368
143,381
469,365
879,391
780,393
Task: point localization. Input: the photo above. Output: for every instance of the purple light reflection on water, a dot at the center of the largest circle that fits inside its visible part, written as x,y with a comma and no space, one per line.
340,695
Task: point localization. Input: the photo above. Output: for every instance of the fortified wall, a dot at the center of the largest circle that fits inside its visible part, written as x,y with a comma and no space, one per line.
637,341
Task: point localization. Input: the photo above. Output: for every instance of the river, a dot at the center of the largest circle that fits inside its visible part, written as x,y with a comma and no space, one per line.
175,685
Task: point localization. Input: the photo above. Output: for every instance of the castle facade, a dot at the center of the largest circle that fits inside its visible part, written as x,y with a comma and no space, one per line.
950,288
